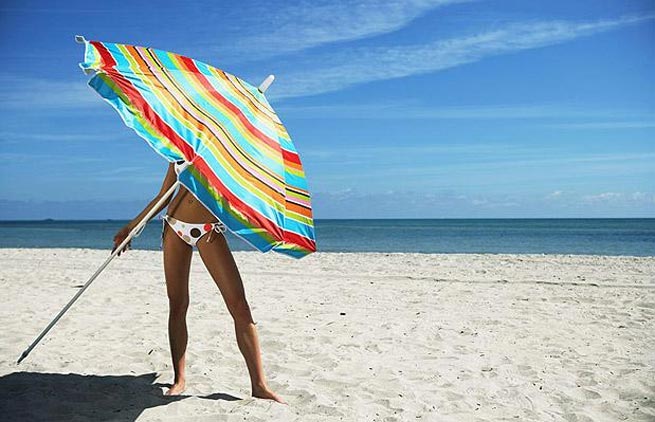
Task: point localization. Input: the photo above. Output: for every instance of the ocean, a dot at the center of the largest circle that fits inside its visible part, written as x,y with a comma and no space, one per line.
629,236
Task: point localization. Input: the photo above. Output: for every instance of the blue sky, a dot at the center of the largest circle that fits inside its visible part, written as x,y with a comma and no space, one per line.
407,109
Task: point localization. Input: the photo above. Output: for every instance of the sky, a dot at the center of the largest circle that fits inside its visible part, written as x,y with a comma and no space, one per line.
398,109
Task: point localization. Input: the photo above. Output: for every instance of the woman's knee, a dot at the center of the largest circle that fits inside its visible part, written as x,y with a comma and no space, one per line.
178,306
240,311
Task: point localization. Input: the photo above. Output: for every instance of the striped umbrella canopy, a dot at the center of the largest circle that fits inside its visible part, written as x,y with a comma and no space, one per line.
243,165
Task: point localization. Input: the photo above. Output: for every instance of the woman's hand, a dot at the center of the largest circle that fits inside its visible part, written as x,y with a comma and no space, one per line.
120,237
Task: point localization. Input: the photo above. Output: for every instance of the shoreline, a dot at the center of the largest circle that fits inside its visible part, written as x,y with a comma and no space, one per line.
599,237
359,219
374,253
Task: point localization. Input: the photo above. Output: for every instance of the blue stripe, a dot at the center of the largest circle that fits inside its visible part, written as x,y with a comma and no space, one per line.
294,180
109,95
220,210
219,116
219,86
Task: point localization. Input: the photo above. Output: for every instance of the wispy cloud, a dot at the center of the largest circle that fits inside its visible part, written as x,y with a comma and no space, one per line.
446,203
475,156
295,26
22,137
377,169
360,65
352,203
28,158
620,197
403,109
18,92
553,195
607,125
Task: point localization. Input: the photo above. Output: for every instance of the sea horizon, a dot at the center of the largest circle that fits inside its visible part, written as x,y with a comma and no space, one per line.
380,218
620,236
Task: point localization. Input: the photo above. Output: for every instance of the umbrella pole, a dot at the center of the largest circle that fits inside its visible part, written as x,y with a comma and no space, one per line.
134,231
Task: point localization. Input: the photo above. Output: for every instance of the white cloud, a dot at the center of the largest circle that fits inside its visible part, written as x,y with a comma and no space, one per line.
454,204
492,156
30,158
23,137
18,92
607,125
620,198
554,195
413,110
605,196
361,65
353,66
296,26
407,149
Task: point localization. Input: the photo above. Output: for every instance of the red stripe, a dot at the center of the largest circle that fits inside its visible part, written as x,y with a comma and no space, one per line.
236,202
251,169
301,241
290,156
164,129
198,161
107,59
142,105
151,115
276,231
191,66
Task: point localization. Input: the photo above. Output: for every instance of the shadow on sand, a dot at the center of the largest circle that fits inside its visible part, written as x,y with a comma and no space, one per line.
34,396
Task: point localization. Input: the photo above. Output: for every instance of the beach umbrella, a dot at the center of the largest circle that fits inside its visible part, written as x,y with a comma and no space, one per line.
242,166
240,162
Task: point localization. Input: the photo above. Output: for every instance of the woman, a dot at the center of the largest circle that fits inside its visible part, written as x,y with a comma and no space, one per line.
204,231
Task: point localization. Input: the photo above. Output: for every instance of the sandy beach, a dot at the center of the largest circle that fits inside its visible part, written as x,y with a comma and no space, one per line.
344,336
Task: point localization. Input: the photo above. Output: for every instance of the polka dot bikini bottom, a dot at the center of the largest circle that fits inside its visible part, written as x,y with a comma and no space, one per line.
190,232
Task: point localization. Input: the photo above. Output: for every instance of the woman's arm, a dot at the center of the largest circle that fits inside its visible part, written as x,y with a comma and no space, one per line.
124,232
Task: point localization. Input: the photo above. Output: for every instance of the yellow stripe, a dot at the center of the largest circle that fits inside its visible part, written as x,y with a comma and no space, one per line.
216,195
230,115
146,125
273,118
241,157
169,107
262,147
173,110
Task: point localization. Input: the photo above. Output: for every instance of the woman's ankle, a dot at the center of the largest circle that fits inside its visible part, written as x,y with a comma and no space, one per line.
258,386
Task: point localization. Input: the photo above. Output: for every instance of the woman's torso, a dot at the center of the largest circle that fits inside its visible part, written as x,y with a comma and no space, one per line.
185,207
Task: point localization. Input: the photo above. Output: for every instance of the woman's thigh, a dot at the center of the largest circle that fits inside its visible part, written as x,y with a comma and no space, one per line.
177,263
220,263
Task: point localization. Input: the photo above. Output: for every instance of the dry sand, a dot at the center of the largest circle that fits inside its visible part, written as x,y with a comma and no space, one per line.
352,337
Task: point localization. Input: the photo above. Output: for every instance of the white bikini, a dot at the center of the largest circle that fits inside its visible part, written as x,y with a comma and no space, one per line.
190,232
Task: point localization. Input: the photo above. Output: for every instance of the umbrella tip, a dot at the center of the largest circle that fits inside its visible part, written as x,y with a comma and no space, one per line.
79,39
267,82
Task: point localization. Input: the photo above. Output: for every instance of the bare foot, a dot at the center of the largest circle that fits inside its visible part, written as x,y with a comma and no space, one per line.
175,389
266,393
